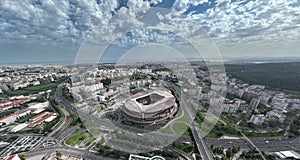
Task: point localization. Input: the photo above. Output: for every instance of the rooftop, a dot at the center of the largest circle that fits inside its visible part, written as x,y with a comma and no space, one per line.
148,100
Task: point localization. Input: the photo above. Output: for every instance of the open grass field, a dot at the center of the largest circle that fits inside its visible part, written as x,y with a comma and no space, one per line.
90,141
77,138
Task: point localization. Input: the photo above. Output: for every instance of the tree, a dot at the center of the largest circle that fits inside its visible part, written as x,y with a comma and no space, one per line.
58,153
22,156
106,82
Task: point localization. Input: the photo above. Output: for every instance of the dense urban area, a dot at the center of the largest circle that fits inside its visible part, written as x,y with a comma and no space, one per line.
42,112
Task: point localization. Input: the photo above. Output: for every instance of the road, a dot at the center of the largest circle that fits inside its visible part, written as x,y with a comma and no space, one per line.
202,147
62,126
263,144
64,103
62,136
183,154
67,151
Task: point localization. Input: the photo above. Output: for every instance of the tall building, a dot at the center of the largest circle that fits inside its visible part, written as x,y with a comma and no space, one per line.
254,103
257,119
276,114
231,108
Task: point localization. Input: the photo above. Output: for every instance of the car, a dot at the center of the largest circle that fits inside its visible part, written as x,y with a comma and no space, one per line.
267,142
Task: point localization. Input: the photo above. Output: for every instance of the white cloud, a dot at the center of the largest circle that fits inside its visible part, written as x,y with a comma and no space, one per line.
52,21
253,22
183,5
69,22
155,1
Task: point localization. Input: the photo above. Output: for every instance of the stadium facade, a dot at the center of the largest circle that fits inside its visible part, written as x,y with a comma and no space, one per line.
151,106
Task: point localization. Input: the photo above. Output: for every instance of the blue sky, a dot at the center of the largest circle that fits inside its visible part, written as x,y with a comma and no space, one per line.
53,30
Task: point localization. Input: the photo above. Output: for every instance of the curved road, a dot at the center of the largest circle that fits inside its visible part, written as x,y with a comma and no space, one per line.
67,151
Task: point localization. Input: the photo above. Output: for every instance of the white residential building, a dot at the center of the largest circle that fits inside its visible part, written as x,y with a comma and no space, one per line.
231,108
277,114
257,119
280,106
254,103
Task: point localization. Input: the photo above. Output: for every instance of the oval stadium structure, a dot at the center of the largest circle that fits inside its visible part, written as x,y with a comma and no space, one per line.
151,106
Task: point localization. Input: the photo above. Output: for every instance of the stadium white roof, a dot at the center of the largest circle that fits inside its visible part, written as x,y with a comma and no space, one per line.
132,103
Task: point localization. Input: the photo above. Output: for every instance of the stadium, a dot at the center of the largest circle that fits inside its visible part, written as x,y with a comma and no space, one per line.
151,106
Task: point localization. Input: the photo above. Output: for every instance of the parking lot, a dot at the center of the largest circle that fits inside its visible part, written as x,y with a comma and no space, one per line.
21,144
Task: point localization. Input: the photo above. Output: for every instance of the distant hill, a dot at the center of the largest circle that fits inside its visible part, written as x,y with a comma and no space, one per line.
275,75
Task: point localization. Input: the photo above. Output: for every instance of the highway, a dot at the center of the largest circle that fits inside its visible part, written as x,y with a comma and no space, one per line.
64,103
183,154
62,126
253,145
263,144
202,147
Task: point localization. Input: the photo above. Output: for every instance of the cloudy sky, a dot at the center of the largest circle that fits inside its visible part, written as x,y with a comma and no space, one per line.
53,30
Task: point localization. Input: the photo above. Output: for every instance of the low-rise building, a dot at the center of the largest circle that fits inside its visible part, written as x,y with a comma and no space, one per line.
6,107
8,119
19,127
23,113
43,117
38,106
287,155
13,157
37,117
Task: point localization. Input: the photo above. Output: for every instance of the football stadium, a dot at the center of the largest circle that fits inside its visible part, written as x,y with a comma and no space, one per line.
151,106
